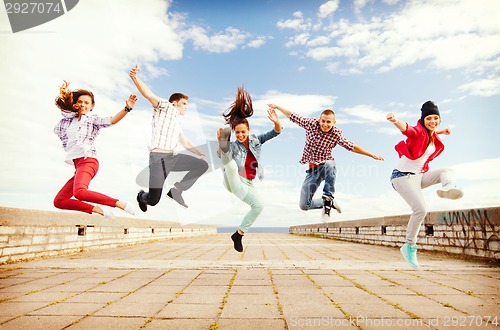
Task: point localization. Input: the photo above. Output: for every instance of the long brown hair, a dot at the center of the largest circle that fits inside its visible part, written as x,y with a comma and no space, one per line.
240,108
66,99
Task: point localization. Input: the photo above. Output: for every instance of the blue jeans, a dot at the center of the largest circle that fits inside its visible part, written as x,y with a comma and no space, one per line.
326,172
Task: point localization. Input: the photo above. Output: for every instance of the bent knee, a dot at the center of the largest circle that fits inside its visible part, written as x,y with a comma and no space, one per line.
80,193
258,207
304,206
58,202
421,213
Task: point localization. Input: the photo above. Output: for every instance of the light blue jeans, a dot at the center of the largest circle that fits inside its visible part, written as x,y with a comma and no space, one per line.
410,186
326,172
243,189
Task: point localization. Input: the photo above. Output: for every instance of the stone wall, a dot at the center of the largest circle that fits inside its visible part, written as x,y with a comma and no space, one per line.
470,232
27,234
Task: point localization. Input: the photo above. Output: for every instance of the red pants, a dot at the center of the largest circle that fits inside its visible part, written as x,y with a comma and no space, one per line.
77,186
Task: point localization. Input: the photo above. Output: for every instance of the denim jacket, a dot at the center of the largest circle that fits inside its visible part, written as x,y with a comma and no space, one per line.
255,142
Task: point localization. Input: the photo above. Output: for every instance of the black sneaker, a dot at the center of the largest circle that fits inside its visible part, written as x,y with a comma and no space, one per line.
225,134
236,237
327,207
175,194
142,205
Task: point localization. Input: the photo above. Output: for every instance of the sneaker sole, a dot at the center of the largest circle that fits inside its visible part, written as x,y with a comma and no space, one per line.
336,207
450,194
173,200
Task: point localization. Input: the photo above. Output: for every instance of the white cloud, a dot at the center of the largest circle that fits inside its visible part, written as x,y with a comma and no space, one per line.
319,41
328,8
359,5
300,39
305,105
222,42
483,87
446,35
365,113
258,42
298,23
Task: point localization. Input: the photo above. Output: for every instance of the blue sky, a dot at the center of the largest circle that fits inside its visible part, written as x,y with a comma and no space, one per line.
361,58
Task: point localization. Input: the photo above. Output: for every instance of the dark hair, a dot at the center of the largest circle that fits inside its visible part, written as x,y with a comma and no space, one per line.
176,97
238,121
241,108
67,99
328,112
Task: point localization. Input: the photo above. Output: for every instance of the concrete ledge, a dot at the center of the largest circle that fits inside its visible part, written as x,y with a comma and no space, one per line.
470,232
28,234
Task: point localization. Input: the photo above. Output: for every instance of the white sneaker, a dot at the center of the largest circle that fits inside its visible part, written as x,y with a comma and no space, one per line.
450,191
108,214
327,207
129,209
336,206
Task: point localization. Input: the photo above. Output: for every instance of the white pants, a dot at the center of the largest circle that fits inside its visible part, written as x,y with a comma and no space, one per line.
410,188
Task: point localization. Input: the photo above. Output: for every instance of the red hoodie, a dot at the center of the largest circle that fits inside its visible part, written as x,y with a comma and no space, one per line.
417,142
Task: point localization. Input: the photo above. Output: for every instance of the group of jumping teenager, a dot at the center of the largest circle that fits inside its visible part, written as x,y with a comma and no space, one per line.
241,157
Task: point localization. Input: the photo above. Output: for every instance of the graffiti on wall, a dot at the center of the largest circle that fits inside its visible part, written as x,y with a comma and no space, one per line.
474,228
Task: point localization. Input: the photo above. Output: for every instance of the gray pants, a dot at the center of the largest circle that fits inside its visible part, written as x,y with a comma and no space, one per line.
410,188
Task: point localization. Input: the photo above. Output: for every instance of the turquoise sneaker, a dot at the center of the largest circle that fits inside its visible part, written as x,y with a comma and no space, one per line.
409,252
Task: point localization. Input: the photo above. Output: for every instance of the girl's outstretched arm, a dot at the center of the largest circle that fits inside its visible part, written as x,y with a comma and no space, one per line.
284,111
273,116
446,131
129,104
401,125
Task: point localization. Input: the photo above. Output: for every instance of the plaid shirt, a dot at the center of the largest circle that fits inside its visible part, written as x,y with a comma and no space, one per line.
88,130
166,126
319,145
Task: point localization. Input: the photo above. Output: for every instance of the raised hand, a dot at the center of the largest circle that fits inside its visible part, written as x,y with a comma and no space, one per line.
391,117
272,115
133,71
446,131
131,101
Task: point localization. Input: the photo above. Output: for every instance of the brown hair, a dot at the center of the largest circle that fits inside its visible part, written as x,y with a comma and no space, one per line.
176,97
66,99
240,109
328,112
238,121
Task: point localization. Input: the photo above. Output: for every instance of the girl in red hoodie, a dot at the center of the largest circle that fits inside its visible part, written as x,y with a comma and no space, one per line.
412,173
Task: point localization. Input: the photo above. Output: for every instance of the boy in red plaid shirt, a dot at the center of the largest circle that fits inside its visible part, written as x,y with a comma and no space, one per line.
321,137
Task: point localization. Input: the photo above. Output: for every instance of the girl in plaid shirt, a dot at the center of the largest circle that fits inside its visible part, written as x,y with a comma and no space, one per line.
321,137
77,130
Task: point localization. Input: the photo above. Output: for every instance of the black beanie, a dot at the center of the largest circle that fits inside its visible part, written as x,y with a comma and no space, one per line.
429,108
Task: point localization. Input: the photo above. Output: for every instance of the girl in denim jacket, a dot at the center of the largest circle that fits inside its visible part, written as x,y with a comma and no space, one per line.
241,159
412,174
